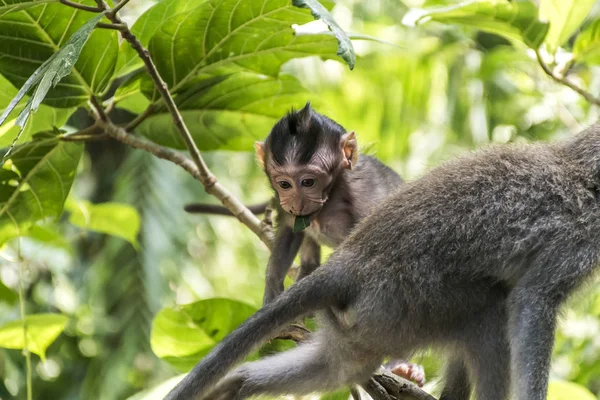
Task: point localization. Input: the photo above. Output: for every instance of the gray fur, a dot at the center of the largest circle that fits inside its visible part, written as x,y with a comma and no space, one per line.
474,258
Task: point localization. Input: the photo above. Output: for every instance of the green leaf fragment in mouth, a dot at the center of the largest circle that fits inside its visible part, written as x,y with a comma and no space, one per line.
301,223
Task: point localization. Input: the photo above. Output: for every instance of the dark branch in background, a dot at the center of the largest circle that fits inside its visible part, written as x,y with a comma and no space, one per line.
566,82
380,386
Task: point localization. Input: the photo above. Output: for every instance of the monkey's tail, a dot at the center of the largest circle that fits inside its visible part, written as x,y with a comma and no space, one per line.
316,291
199,208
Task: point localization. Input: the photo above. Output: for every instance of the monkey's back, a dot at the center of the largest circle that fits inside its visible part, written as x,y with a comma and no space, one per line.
482,212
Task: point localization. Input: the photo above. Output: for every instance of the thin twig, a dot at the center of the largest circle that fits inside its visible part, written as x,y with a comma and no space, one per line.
375,390
76,137
118,7
82,6
204,175
566,82
116,27
26,352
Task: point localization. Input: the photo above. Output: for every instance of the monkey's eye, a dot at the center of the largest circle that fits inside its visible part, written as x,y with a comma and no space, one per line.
308,182
285,185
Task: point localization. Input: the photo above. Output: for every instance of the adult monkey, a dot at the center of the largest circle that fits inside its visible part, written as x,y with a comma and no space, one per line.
476,257
312,163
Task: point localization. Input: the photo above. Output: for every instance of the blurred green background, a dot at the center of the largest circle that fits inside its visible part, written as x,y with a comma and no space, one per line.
439,91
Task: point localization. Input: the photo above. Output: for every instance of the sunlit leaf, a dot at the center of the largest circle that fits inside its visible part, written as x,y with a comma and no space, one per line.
115,219
42,330
231,35
563,390
565,17
34,184
48,39
49,236
182,335
339,395
517,20
587,44
231,114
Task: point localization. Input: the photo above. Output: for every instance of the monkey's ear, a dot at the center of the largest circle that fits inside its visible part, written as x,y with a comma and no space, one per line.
349,146
259,147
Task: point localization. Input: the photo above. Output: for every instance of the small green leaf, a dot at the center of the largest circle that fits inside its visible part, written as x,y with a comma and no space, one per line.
115,219
565,17
345,48
517,20
49,235
563,390
34,183
229,113
339,395
301,223
182,335
42,330
10,6
587,44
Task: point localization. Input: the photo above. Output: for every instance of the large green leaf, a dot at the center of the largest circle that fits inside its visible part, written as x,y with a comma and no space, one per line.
34,184
182,335
144,28
115,219
42,330
587,44
562,390
230,114
10,6
30,37
44,119
564,16
517,20
222,36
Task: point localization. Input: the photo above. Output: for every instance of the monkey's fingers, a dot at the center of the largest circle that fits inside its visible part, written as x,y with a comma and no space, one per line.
410,371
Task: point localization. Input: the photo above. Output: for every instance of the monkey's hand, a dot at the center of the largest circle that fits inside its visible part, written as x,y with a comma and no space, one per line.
412,372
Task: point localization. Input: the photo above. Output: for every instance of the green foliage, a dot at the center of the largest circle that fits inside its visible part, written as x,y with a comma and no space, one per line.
115,219
339,395
10,6
565,17
561,390
42,330
517,20
34,184
40,53
182,335
587,44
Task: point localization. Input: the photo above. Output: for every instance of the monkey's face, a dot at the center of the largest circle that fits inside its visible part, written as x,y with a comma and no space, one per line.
302,189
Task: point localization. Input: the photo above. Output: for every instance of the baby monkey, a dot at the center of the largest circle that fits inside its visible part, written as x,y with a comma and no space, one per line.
323,191
475,258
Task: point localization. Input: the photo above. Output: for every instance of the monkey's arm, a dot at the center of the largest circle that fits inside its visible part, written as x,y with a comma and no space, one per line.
199,208
284,251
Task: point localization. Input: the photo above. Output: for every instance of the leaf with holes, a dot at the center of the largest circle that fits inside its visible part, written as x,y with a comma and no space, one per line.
121,220
224,36
230,113
564,16
34,184
10,6
32,36
517,20
42,330
587,44
182,335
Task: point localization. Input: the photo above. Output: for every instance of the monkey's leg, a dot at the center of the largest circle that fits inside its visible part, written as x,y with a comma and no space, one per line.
457,384
533,307
310,257
285,249
320,365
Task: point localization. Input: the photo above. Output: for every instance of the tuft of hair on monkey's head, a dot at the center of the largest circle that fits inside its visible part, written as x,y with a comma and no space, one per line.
303,155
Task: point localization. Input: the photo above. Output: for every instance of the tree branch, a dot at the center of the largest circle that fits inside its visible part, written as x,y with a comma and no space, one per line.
81,6
566,82
201,172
